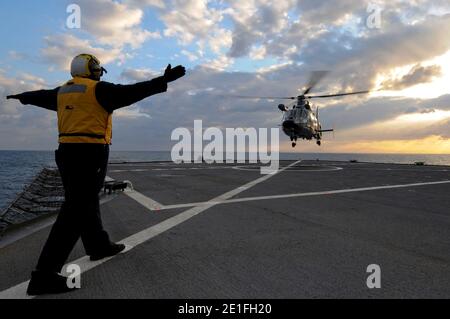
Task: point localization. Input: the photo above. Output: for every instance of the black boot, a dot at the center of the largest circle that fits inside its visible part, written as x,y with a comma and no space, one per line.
43,283
112,250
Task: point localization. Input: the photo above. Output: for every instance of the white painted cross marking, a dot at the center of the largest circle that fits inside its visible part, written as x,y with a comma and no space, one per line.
143,201
19,291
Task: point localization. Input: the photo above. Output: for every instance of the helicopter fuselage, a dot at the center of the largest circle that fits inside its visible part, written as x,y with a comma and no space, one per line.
300,122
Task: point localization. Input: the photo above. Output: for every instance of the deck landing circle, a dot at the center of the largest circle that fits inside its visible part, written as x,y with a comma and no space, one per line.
296,168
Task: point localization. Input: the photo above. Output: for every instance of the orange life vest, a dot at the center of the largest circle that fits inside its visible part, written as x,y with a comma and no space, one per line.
81,119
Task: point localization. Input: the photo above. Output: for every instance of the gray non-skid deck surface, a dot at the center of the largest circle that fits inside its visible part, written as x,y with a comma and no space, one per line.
309,246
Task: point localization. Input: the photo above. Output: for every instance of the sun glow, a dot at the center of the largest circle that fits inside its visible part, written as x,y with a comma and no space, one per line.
424,118
400,126
437,87
429,145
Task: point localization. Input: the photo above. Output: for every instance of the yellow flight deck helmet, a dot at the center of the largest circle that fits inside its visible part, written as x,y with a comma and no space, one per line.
87,66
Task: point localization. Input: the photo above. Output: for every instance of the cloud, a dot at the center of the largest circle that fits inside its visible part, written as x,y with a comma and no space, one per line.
24,127
258,53
219,39
191,56
190,19
197,22
17,55
256,21
138,75
60,49
115,24
111,28
416,75
333,35
131,113
220,63
142,3
356,62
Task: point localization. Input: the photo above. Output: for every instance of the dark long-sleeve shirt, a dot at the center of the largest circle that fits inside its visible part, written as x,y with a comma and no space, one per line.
110,96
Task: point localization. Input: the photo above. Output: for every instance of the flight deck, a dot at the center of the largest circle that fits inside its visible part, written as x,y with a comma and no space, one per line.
226,231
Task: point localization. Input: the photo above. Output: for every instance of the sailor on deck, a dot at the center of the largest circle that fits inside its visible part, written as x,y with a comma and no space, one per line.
84,106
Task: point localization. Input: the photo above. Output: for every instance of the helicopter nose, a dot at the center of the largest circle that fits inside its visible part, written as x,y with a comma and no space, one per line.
288,124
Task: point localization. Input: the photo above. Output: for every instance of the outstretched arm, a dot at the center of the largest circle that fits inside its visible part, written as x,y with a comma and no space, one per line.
114,96
46,99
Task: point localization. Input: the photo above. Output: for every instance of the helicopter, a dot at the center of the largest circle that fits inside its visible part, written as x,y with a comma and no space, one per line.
299,120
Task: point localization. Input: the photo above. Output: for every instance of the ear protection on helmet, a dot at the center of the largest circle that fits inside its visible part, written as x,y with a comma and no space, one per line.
87,66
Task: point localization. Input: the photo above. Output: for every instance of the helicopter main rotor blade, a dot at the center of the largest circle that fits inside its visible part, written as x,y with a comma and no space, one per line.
335,95
261,97
314,78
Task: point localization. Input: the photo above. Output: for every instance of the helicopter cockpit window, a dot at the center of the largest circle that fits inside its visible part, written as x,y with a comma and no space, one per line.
289,115
300,116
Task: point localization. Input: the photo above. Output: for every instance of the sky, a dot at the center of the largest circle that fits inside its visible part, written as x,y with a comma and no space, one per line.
400,50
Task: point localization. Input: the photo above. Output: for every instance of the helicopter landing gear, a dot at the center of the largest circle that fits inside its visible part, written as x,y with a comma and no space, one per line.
294,144
319,143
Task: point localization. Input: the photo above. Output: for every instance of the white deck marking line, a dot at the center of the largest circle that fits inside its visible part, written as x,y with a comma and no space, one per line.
412,169
320,168
140,198
19,291
153,205
330,192
174,168
144,200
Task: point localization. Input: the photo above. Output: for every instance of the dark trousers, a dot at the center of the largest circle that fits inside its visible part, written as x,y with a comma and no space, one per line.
83,170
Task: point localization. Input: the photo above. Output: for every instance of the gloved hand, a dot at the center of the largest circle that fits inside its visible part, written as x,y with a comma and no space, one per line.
19,97
174,74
